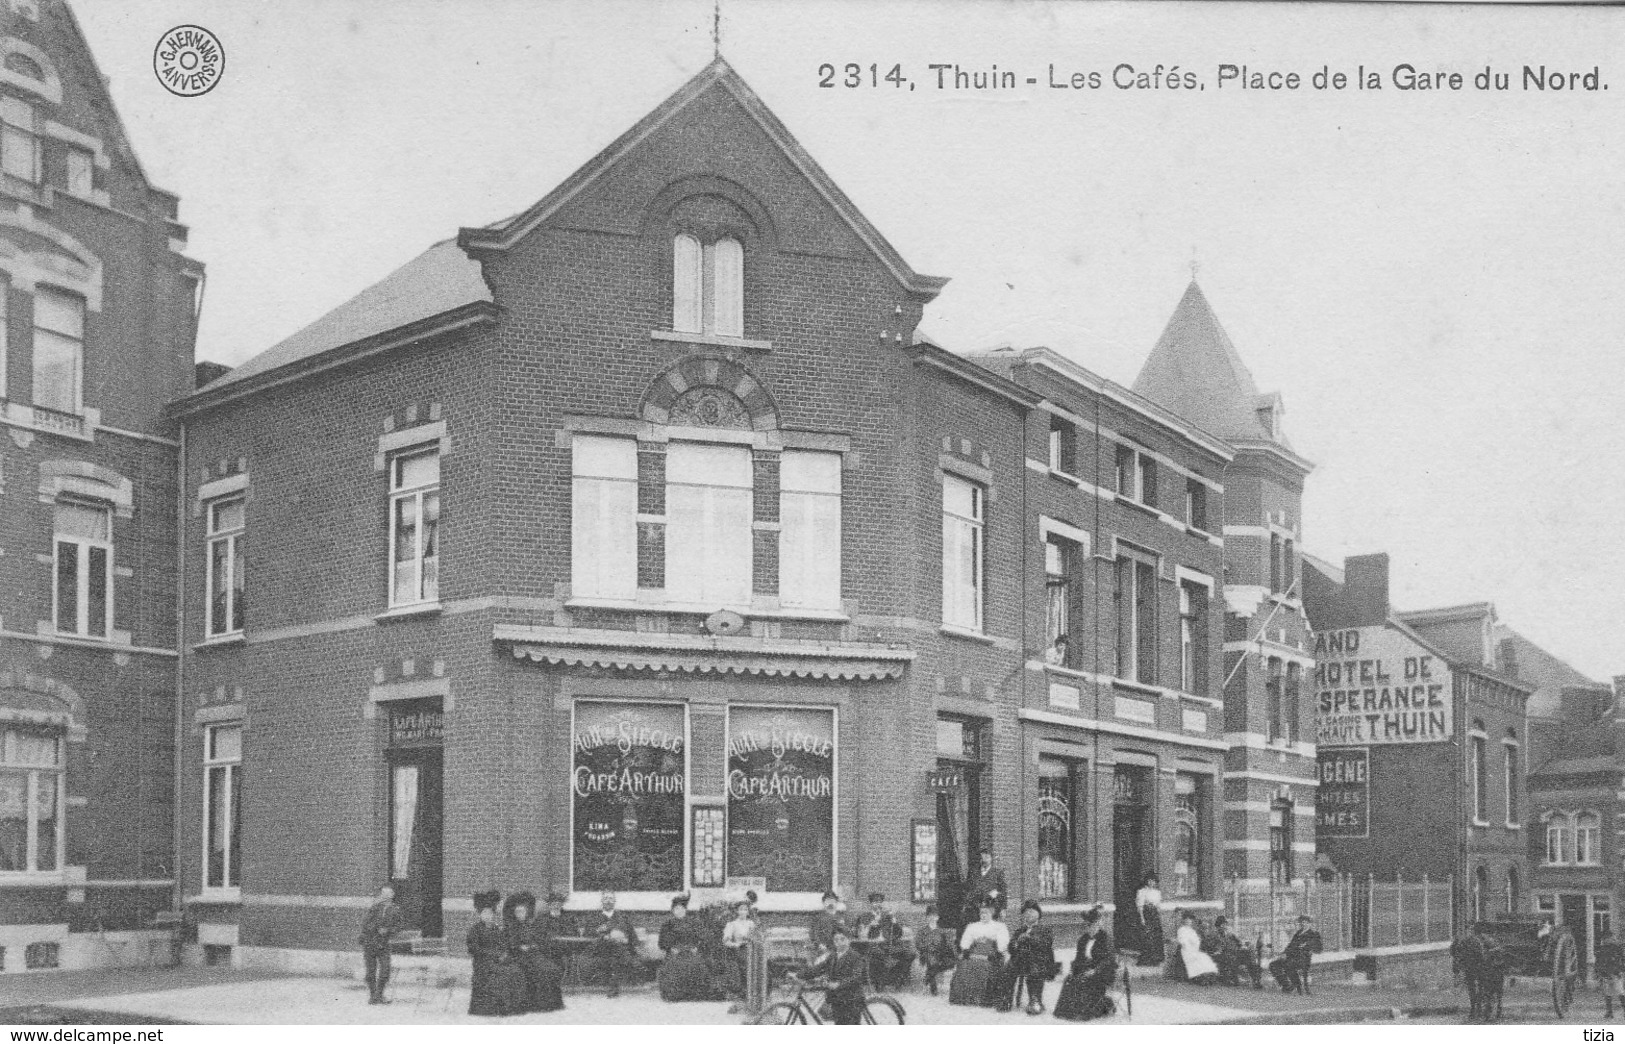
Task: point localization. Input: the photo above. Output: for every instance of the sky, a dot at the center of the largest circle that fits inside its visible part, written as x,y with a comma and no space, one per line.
1430,277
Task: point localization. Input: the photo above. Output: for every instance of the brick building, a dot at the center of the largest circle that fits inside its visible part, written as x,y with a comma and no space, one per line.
643,519
1269,774
97,321
1422,737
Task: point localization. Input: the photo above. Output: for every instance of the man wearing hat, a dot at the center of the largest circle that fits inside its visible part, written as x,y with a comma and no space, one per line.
614,951
1032,961
1233,956
826,921
844,972
1291,969
987,884
891,958
383,920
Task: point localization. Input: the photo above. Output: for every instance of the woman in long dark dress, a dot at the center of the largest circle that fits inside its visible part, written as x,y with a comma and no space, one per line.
1032,961
1094,969
683,973
529,945
498,985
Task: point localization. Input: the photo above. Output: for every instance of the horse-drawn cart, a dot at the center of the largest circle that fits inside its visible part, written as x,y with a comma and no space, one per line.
1532,947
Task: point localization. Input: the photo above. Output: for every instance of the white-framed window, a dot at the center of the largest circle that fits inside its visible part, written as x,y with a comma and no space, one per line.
225,565
1196,504
708,286
1135,594
1509,778
59,349
83,590
1063,446
1193,638
222,807
962,552
78,172
1479,770
810,530
19,141
1060,567
31,800
604,529
1558,832
708,524
1587,839
1136,475
414,527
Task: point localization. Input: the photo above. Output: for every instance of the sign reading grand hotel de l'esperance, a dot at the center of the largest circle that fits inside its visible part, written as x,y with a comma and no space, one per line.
1376,685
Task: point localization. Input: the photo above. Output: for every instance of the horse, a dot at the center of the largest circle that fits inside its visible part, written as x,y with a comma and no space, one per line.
1483,964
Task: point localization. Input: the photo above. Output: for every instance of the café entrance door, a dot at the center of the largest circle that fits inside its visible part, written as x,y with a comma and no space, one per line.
416,817
1131,850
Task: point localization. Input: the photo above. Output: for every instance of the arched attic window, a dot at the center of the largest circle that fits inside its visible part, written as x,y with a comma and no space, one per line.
708,286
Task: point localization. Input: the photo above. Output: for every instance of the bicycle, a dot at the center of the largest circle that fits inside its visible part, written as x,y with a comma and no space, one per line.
878,1009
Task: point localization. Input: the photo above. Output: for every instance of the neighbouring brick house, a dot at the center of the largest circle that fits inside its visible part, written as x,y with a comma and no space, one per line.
644,520
97,322
1427,729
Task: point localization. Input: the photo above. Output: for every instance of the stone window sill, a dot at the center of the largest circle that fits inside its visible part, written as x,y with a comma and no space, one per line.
713,340
409,612
965,632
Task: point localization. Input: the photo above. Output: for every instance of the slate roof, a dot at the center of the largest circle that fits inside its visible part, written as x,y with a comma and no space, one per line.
1546,672
1196,372
1578,766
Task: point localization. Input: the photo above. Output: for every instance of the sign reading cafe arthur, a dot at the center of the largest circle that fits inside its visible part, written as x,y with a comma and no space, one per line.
781,796
629,780
1375,685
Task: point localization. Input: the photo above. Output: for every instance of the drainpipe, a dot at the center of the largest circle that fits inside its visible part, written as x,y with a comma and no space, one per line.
176,893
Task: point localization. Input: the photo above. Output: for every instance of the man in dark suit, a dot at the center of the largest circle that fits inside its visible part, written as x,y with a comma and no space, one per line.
987,883
383,919
614,951
890,957
1291,969
844,970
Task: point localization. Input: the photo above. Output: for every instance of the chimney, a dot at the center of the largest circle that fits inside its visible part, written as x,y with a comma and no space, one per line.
1365,589
1509,657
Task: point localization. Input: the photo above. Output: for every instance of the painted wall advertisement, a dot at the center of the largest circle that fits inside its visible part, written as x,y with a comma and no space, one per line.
781,796
630,775
1343,800
1376,685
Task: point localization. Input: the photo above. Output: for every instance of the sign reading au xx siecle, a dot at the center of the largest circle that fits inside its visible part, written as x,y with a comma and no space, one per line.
1376,685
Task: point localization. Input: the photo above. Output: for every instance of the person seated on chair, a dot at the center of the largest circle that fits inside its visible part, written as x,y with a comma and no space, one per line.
1233,956
613,955
683,974
825,922
1200,970
1032,961
1094,970
1291,969
844,970
985,944
528,945
937,949
891,958
498,986
552,923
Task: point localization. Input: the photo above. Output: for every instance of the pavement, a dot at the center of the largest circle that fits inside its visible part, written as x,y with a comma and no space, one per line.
223,996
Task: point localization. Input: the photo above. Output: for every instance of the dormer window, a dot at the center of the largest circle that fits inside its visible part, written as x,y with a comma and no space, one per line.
708,286
23,65
19,145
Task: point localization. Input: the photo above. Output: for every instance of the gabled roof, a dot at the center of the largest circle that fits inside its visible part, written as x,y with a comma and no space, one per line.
1196,372
1546,672
438,280
719,75
1579,766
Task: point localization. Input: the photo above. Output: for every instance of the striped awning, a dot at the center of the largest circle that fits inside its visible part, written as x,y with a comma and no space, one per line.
690,654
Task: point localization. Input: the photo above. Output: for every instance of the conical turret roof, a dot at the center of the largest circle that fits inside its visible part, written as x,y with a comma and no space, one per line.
1196,372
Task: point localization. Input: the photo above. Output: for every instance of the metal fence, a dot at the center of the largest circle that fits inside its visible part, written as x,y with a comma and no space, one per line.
1351,913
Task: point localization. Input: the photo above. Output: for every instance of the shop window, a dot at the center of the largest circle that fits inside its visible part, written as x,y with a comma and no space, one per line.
1190,842
708,286
1063,446
810,530
19,141
629,792
414,523
1587,839
59,349
781,797
1193,638
225,566
31,800
1135,595
1195,504
222,806
1061,790
962,553
84,568
1281,862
